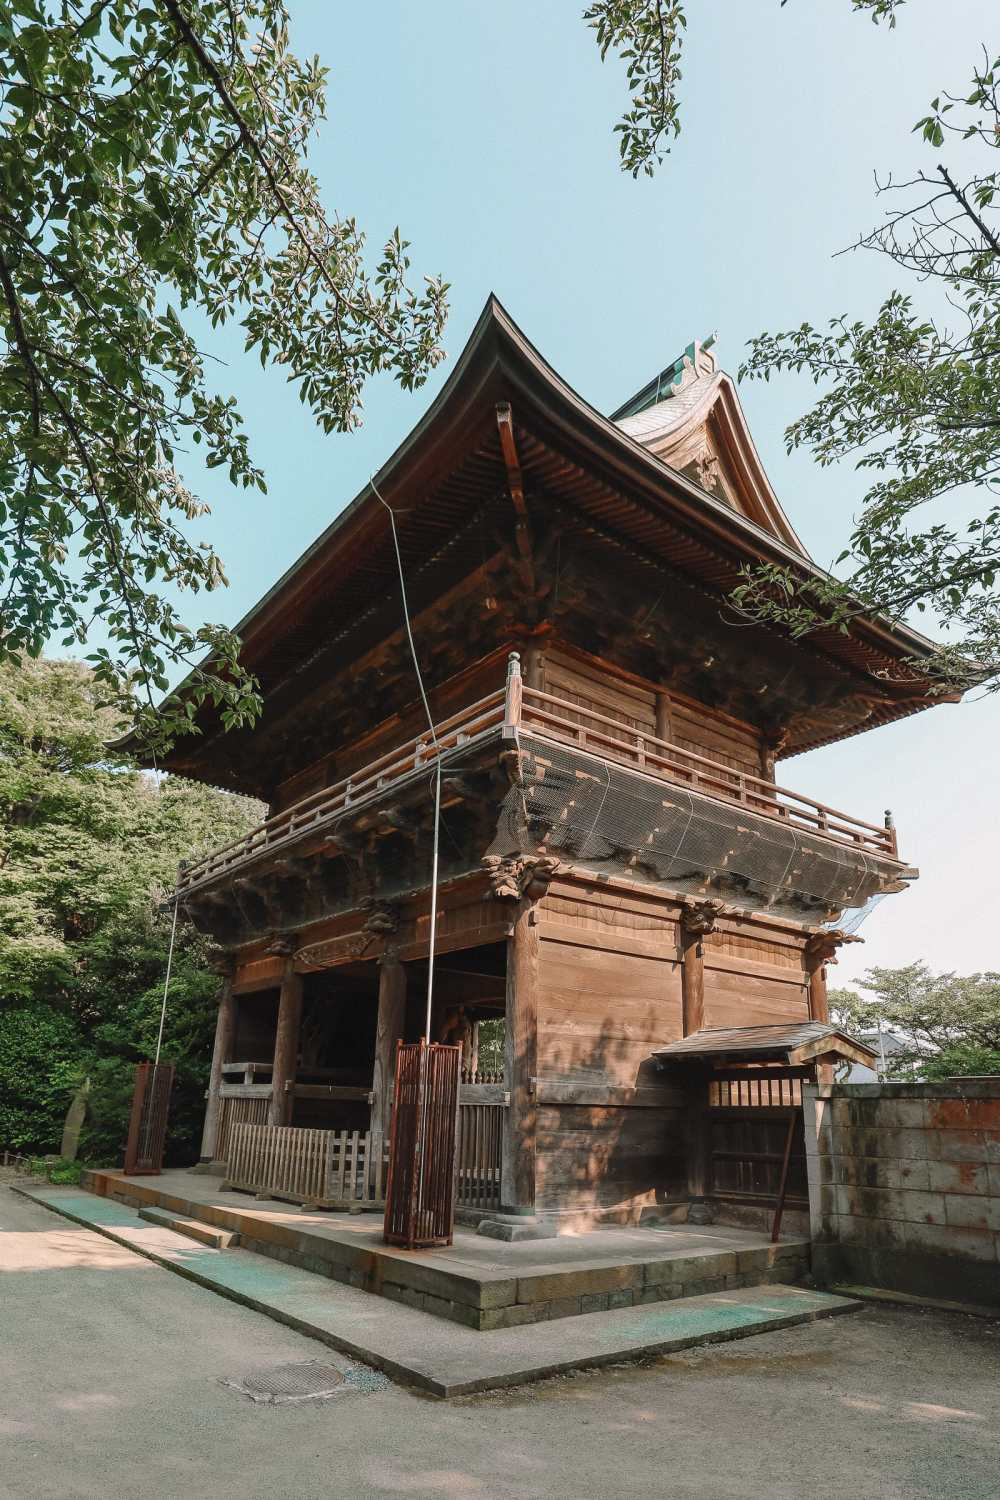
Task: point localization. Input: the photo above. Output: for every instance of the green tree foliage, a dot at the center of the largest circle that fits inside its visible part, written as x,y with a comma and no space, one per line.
153,176
948,1024
913,398
89,848
647,36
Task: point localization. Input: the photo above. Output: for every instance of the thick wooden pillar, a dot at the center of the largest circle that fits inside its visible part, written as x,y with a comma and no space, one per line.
697,919
517,1172
692,980
820,950
225,1035
819,1009
286,1044
390,1029
534,667
664,718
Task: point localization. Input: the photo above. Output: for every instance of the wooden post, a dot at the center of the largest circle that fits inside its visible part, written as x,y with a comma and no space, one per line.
664,722
819,1009
697,919
696,1134
389,1031
225,1035
286,1044
819,951
534,668
517,1172
692,980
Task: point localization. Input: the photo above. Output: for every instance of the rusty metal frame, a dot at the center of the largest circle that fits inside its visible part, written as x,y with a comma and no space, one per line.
420,1188
147,1130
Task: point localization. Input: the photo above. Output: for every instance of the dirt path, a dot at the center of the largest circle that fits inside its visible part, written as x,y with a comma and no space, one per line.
110,1371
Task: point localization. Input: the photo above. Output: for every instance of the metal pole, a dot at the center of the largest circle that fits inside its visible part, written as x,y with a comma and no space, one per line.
434,897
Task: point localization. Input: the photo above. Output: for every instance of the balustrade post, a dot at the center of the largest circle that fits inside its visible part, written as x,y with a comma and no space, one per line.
512,697
890,828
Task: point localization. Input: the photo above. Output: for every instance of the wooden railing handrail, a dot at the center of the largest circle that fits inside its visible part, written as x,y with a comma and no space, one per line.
292,821
515,707
765,793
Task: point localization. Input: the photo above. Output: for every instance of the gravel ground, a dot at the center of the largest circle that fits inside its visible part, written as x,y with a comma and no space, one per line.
112,1372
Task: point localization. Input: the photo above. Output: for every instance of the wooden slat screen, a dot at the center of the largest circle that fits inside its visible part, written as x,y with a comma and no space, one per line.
480,1134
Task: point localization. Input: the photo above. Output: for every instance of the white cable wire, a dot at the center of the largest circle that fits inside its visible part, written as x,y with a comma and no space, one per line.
437,763
166,981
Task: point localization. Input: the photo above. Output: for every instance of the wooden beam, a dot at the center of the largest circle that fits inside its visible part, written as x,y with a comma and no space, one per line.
517,1173
286,1043
389,1030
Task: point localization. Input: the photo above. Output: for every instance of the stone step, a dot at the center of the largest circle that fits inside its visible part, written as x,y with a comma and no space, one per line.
192,1229
443,1358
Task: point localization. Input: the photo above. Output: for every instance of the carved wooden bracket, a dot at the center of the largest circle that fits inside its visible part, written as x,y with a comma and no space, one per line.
383,916
520,876
221,962
822,947
324,955
699,917
281,945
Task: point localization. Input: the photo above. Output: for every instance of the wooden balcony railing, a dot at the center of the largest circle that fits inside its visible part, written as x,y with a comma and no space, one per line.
613,740
471,724
520,708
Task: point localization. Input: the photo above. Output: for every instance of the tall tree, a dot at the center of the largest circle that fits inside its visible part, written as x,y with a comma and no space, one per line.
153,167
89,848
942,1024
913,397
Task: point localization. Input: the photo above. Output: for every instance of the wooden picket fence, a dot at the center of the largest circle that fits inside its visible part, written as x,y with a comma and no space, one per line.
328,1168
235,1111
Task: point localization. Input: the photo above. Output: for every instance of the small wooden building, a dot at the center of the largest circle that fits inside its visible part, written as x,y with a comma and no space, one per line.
620,867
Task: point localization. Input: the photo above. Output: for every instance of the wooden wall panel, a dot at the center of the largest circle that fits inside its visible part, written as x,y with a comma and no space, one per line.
610,1159
698,728
751,999
601,1013
694,726
466,688
594,687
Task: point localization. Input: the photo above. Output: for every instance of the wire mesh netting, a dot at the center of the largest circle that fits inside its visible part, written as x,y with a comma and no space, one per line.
589,812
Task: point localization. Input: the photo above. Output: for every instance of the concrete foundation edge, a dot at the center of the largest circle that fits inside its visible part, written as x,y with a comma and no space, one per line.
942,1278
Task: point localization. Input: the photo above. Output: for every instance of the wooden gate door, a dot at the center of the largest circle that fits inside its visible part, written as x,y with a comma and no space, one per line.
749,1113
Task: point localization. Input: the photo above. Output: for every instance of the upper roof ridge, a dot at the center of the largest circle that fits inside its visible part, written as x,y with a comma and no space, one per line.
696,363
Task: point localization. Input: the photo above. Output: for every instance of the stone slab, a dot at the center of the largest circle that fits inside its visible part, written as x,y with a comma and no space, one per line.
442,1358
472,1281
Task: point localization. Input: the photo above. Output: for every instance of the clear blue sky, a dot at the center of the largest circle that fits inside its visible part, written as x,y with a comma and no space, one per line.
484,131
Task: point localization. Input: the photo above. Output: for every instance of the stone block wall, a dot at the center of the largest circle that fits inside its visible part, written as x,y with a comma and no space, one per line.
904,1187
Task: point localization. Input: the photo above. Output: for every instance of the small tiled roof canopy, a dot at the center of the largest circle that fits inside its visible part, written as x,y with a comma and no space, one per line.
793,1044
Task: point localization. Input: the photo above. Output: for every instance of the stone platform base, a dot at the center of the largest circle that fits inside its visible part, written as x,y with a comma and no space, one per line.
479,1282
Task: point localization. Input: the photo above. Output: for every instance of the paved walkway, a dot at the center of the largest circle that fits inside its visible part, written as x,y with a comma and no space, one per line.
110,1373
443,1358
